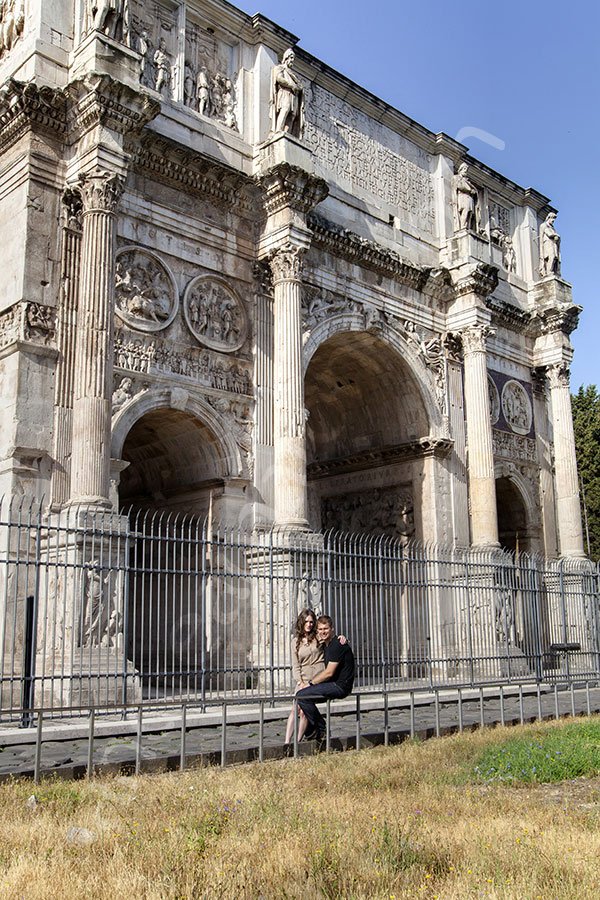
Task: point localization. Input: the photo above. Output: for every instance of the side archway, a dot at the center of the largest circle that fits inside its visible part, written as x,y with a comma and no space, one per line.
173,451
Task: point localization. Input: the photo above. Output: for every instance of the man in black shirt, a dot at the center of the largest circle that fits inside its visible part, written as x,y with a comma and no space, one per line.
334,682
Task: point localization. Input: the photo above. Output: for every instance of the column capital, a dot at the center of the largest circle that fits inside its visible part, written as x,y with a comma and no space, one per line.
100,191
482,280
558,376
290,187
287,262
474,338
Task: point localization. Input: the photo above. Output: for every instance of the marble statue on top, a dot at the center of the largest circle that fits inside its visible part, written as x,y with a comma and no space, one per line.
111,17
549,247
466,200
287,98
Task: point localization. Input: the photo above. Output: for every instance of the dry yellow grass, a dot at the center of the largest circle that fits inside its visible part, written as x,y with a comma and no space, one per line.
381,823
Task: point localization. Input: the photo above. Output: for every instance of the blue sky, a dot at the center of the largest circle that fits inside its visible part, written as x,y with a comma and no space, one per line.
527,72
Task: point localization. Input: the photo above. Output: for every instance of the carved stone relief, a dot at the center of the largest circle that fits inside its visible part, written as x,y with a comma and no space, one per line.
209,81
153,33
370,156
145,291
516,407
12,23
31,322
157,357
101,624
240,421
494,401
214,314
513,446
125,390
387,510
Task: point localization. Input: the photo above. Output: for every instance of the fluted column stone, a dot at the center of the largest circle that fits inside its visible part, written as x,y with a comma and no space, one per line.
90,463
570,531
289,412
482,485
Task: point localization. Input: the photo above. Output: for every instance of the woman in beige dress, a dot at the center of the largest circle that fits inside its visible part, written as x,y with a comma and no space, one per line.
307,661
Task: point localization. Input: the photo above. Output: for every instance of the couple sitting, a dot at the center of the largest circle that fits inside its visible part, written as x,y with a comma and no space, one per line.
323,668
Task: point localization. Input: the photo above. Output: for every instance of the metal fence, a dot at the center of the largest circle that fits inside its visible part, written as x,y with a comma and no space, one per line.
102,608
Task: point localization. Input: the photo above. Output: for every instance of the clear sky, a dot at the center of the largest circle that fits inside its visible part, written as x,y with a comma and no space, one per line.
525,71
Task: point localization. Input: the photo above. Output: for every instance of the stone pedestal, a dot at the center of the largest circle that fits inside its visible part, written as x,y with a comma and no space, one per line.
482,486
82,614
565,465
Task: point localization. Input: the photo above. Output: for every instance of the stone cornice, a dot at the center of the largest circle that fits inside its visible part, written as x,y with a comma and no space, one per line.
481,280
100,100
286,186
344,243
557,319
184,168
385,456
26,107
509,316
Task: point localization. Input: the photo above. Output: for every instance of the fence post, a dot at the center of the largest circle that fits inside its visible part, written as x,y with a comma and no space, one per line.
28,679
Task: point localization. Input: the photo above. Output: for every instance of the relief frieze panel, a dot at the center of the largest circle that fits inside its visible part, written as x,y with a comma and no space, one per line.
385,511
31,322
238,416
151,355
214,314
513,446
370,156
210,76
145,290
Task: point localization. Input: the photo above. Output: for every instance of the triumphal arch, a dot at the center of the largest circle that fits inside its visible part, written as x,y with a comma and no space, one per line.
234,280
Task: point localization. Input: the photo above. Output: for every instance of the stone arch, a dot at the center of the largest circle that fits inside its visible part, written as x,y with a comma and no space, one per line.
149,400
420,374
375,432
517,509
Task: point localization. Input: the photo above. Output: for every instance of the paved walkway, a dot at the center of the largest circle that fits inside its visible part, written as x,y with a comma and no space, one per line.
65,745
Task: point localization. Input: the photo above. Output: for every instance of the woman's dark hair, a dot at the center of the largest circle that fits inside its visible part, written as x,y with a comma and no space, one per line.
301,622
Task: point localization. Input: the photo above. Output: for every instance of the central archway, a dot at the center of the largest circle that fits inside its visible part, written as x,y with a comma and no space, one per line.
366,416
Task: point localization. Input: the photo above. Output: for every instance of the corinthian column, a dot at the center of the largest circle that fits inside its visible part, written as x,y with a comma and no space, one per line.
482,486
90,463
289,413
568,510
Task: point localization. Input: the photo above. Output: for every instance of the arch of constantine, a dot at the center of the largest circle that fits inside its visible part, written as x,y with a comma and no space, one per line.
235,282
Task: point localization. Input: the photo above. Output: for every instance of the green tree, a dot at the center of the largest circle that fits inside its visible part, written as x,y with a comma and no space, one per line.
586,421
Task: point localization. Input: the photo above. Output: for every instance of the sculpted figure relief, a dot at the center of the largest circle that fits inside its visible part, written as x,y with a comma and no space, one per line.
101,623
466,200
12,23
287,98
145,294
162,65
214,314
516,407
549,247
386,511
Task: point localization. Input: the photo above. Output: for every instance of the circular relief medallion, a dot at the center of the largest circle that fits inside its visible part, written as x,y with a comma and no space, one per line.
494,401
145,290
516,407
214,314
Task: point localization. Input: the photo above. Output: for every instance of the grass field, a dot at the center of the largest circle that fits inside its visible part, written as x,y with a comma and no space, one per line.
457,817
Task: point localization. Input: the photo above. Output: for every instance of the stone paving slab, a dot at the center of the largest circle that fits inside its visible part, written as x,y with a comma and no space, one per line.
160,749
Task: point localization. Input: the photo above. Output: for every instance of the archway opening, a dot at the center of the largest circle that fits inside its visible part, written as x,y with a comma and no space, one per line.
366,415
512,517
174,463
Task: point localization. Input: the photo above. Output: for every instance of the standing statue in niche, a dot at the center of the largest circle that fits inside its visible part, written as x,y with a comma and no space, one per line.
100,618
287,98
162,63
466,200
549,247
188,84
